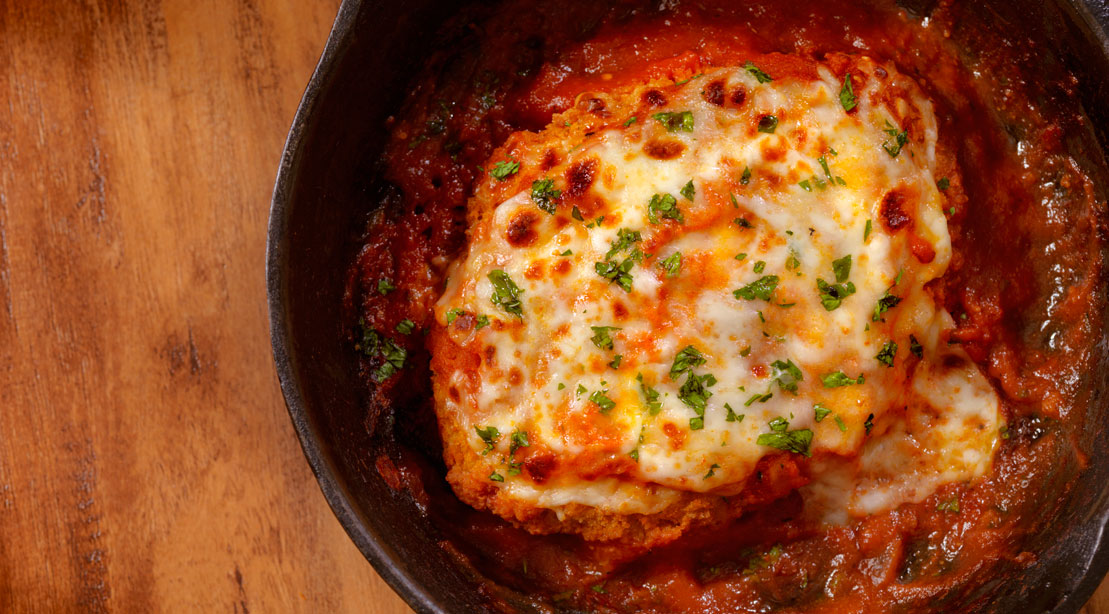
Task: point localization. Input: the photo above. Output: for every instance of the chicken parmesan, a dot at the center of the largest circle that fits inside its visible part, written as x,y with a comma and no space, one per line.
683,299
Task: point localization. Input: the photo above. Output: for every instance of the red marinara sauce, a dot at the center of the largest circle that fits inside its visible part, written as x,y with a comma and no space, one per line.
1022,287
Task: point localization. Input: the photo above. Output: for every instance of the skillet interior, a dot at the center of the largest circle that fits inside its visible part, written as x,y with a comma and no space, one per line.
319,203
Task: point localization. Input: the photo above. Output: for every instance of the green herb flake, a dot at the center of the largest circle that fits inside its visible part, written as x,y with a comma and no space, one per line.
385,286
712,471
820,412
654,405
759,74
624,239
544,195
841,425
805,185
786,374
837,379
745,178
768,124
951,505
847,94
616,360
406,326
866,231
741,256
600,399
732,416
631,120
506,294
394,357
675,121
900,139
915,348
884,304
943,183
567,253
453,314
869,423
672,264
887,354
759,266
576,214
496,477
761,288
519,439
601,337
694,392
841,267
561,386
664,206
489,435
481,322
688,358
824,165
742,222
503,170
781,438
746,351
758,398
582,390
688,191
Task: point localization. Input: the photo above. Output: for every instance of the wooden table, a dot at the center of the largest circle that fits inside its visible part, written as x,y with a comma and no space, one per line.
146,460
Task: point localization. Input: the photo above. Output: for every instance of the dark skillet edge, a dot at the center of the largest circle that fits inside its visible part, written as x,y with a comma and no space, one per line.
371,544
1091,15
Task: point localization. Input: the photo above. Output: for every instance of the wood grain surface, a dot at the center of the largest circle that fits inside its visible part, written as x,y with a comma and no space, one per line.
146,460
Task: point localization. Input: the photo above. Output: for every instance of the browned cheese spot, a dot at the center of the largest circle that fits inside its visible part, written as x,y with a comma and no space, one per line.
663,149
654,98
675,435
515,377
714,93
561,267
739,96
619,311
550,160
490,355
580,177
595,106
521,229
894,211
539,466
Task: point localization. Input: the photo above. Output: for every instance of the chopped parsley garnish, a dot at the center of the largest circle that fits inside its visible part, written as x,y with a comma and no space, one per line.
900,139
601,400
576,214
824,165
567,253
760,76
759,398
631,120
805,185
653,404
712,471
664,206
672,264
624,239
832,295
634,454
745,178
561,386
489,435
759,266
792,262
453,314
915,347
619,273
506,294
582,390
688,358
675,121
742,222
746,351
943,183
886,356
884,304
601,337
481,322
406,326
866,231
951,505
732,416
847,94
781,438
841,425
518,440
768,124
836,379
616,360
694,391
869,423
820,412
741,256
761,288
496,477
544,195
696,423
374,344
385,286
787,374
504,170
688,191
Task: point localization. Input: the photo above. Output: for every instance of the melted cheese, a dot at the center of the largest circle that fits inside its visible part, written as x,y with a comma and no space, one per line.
823,185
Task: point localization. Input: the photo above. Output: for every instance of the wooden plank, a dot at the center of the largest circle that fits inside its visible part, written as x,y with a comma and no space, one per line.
146,461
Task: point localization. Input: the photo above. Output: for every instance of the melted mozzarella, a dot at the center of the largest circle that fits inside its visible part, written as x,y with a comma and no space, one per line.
819,189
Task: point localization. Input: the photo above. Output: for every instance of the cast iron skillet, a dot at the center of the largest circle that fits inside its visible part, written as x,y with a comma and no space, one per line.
319,201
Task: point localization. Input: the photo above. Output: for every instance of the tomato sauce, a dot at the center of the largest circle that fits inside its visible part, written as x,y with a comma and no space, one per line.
1023,288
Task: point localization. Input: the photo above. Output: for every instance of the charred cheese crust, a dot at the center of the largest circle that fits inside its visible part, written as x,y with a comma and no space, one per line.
765,179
